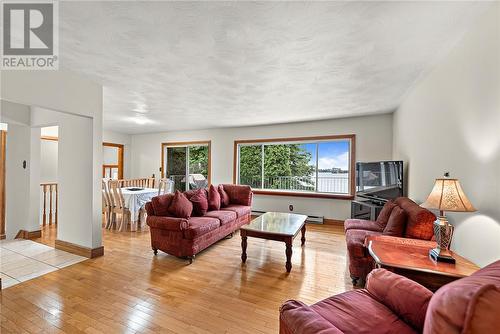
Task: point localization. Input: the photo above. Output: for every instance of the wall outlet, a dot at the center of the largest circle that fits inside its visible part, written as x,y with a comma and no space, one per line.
290,207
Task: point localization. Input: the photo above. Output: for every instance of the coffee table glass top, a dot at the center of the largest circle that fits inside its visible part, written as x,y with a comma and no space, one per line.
277,223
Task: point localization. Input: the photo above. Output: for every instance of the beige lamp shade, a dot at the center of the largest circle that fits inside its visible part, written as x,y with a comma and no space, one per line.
448,195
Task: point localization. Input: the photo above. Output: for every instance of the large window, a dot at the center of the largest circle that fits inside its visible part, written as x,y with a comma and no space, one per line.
312,166
187,164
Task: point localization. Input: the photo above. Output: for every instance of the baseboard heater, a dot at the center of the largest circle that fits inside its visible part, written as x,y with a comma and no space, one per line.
310,219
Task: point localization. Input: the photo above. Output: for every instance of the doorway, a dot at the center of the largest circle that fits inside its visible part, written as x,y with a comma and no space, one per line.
112,167
187,164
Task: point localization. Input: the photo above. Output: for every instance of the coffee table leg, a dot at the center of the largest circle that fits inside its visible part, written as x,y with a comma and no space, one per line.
303,239
288,253
243,247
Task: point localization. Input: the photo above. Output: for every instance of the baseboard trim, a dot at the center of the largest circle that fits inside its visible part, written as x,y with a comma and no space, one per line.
79,250
328,221
23,234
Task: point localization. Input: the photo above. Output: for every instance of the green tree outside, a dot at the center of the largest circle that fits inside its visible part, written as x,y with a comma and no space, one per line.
286,166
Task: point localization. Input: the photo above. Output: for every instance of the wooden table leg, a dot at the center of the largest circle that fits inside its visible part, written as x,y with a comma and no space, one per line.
288,253
243,246
303,239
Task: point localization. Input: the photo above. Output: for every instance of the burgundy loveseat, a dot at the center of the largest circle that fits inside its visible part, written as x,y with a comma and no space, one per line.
187,236
394,304
399,218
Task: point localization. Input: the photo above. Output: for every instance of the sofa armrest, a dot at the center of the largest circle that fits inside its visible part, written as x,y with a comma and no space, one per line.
406,298
401,241
149,209
167,223
298,318
239,194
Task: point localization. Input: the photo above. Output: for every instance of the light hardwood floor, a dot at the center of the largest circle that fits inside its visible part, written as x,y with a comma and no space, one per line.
129,290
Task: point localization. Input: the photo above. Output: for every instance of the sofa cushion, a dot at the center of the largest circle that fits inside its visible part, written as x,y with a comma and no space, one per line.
213,198
180,206
468,305
385,213
224,197
161,203
419,224
356,241
358,312
396,224
361,224
241,210
200,203
224,216
198,226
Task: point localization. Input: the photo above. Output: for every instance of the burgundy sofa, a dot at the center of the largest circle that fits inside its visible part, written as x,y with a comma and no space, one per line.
185,237
400,218
394,304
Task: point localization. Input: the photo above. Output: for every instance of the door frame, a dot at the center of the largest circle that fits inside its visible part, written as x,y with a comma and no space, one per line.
3,151
120,160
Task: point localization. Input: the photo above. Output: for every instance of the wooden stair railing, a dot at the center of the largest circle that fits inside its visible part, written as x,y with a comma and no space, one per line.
50,192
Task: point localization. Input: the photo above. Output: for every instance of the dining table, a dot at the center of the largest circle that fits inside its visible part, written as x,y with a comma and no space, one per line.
135,198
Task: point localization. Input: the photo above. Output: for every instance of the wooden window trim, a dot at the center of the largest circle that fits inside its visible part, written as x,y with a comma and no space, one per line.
350,196
188,143
120,159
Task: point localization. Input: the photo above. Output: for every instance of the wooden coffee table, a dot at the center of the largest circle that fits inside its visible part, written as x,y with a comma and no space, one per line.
276,226
410,258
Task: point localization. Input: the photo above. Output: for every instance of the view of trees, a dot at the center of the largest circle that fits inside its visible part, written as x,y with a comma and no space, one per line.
282,163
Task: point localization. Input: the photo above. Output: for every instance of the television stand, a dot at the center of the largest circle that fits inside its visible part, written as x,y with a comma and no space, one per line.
366,209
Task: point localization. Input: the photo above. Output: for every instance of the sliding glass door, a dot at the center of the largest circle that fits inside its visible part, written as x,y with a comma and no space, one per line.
187,164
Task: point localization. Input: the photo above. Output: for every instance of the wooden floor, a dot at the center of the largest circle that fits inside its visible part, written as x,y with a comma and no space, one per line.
129,290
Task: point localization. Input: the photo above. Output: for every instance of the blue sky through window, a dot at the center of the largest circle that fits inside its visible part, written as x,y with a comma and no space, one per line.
334,154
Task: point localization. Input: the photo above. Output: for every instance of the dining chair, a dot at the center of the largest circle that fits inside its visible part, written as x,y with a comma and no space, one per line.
165,186
107,205
119,204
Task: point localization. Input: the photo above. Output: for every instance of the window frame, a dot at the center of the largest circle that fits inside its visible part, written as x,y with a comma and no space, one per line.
119,166
315,139
187,144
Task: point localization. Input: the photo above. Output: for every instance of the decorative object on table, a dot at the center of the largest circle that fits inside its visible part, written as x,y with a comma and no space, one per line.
447,195
135,189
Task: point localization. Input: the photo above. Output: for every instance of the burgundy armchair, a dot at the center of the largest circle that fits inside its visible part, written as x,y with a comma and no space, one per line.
394,304
400,218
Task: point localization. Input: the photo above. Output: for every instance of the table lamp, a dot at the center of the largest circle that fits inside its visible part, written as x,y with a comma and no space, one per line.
447,195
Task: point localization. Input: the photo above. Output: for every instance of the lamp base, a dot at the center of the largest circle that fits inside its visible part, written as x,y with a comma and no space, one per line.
440,255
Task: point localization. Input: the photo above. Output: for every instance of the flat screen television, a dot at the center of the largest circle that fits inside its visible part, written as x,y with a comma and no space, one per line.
380,180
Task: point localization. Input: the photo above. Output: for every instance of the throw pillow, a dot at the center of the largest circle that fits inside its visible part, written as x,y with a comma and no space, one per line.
213,198
180,206
396,224
200,203
385,213
224,197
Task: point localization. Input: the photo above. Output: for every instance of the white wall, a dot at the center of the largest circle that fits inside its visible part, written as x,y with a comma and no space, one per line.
48,160
373,142
74,95
75,177
450,121
126,141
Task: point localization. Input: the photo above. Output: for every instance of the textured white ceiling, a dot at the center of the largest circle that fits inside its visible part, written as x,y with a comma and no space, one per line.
193,65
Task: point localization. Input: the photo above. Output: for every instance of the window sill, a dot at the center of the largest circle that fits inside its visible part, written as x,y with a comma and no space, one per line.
302,194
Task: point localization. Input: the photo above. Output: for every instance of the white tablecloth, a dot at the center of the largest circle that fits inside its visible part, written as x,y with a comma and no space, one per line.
135,200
